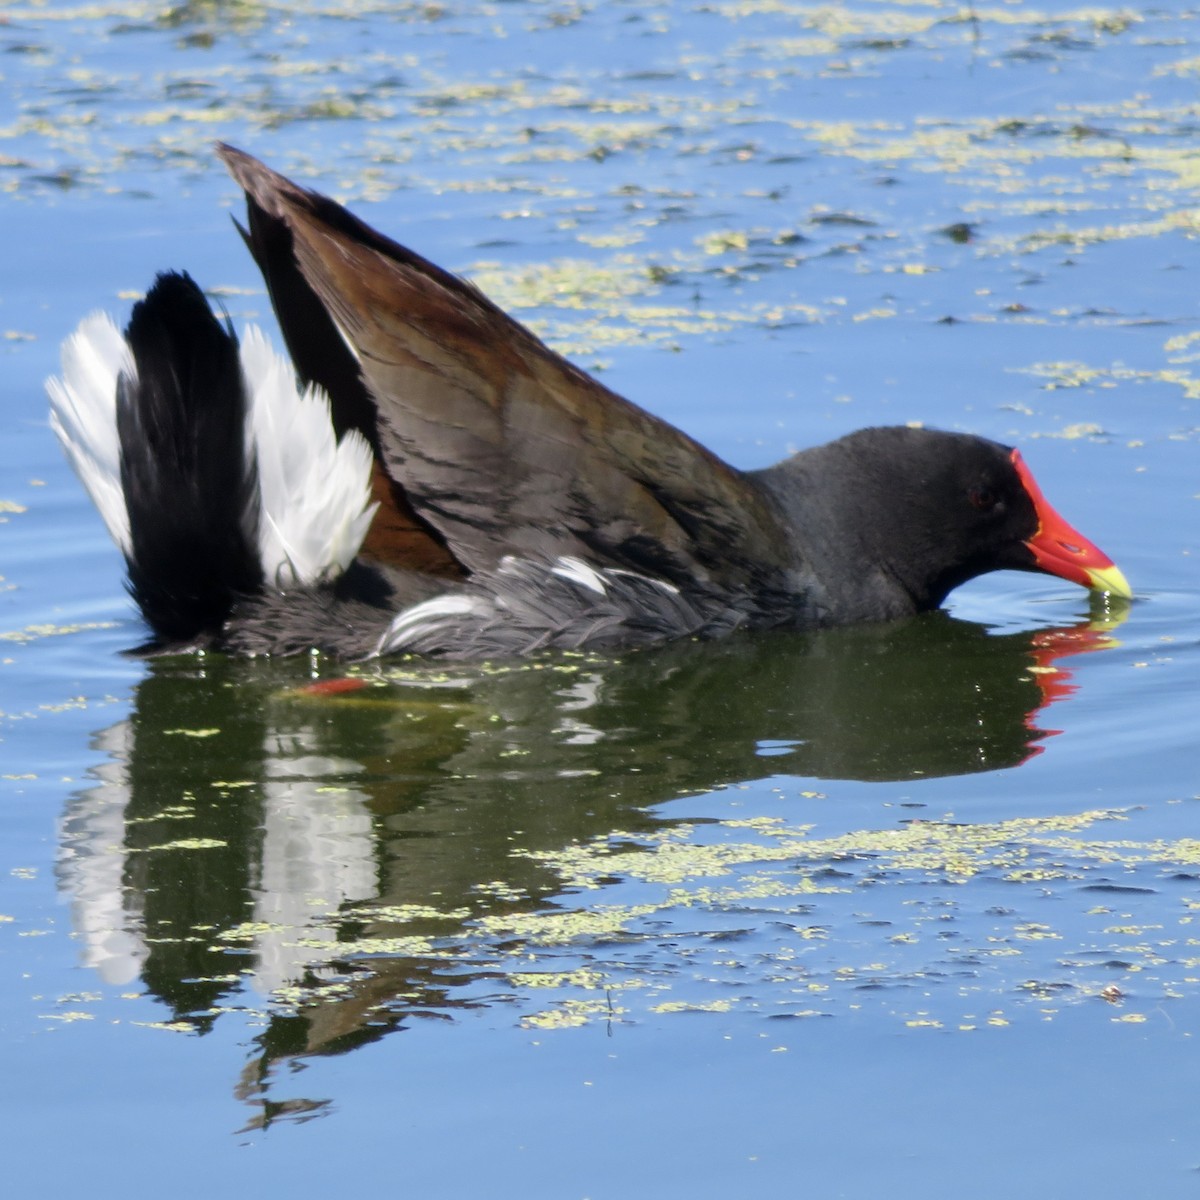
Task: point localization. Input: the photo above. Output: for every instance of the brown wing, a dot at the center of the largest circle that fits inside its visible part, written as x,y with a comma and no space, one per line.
498,445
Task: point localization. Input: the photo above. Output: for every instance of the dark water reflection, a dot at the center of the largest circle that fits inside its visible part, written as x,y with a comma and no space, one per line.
334,851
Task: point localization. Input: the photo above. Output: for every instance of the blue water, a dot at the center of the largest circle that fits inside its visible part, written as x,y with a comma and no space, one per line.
908,909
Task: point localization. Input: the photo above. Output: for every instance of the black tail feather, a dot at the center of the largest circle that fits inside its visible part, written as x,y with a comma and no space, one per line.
189,489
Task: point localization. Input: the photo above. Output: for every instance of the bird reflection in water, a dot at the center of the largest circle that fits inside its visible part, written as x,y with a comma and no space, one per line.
330,856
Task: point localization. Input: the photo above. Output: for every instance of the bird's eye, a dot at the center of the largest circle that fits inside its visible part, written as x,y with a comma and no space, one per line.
983,498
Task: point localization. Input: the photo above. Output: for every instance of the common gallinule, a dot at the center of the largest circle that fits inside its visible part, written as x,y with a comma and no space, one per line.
443,483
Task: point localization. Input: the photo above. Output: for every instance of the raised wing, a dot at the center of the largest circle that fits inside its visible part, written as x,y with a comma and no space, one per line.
498,445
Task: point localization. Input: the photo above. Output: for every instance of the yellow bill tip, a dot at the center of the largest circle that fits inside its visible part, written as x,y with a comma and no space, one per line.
1110,580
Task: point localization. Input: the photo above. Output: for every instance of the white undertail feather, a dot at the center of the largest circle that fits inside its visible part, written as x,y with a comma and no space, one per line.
428,617
579,572
315,491
83,413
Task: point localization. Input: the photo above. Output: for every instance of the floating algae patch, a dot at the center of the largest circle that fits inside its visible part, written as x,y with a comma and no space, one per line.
938,923
759,915
632,300
1060,375
673,856
33,633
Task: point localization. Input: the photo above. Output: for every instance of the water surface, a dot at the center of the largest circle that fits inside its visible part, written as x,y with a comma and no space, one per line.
907,907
